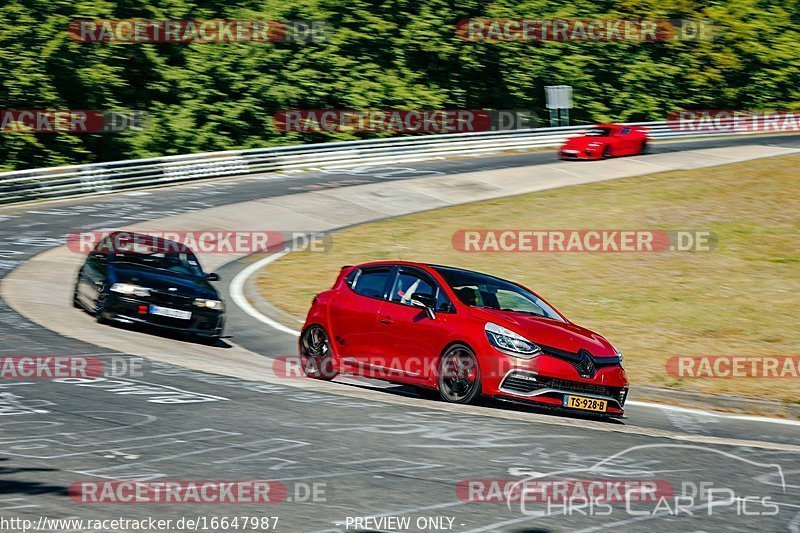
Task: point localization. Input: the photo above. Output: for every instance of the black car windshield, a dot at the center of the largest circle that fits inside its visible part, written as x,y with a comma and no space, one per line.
598,132
184,263
481,290
151,252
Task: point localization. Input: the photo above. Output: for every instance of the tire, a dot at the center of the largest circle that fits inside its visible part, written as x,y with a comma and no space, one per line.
606,152
459,377
75,302
99,308
644,149
316,354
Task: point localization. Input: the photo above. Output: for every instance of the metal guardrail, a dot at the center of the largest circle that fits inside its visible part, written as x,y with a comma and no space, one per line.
99,178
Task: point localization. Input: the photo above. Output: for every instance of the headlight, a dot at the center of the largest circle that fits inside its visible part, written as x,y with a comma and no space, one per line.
210,304
129,288
619,354
508,341
594,145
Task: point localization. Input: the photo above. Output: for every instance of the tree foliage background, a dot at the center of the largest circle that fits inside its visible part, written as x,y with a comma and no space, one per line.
379,54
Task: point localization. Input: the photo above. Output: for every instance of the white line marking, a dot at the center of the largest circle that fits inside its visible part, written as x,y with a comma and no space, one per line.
749,418
237,293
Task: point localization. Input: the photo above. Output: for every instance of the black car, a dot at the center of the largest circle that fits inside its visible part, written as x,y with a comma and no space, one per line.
132,278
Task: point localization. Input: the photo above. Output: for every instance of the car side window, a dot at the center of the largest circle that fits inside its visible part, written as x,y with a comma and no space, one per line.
443,304
371,282
511,300
409,282
625,131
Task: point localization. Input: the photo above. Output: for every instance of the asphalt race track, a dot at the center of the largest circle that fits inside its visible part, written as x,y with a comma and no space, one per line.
349,462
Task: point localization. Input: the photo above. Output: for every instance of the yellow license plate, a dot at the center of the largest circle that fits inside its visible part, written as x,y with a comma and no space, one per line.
587,404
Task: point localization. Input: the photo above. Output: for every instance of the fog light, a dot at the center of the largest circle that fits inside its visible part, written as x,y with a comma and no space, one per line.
622,395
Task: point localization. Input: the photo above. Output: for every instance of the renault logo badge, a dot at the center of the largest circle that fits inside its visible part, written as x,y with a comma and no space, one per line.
585,366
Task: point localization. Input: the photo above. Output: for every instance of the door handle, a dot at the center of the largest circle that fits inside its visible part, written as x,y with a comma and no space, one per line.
386,320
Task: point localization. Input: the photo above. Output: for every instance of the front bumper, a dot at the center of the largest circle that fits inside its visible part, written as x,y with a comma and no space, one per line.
546,380
203,323
574,154
518,385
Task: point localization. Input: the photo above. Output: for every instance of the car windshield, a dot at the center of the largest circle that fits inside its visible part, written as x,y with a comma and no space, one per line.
480,290
184,263
599,132
179,263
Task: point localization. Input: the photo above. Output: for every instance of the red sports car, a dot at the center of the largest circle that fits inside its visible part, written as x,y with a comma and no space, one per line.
464,334
606,140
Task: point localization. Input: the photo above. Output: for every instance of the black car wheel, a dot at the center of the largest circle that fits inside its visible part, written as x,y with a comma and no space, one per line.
606,152
100,308
459,377
76,303
645,148
315,353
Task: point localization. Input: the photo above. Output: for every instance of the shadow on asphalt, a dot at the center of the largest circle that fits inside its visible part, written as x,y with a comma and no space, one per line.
168,334
8,486
411,392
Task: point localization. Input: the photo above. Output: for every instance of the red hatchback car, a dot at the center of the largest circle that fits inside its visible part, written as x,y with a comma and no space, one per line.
606,140
464,334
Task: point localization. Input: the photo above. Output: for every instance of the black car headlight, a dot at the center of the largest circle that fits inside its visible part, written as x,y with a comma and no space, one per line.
512,343
216,305
130,289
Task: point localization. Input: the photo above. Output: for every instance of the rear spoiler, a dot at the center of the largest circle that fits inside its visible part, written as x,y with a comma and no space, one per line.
343,272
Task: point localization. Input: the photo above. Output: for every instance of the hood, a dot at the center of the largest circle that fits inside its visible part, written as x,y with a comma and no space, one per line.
552,333
161,280
581,142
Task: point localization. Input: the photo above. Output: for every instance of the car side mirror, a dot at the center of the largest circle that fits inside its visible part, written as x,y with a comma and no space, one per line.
213,277
425,301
